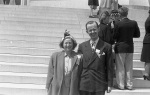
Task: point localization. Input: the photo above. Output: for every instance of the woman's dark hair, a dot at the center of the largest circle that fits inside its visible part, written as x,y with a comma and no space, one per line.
67,36
100,17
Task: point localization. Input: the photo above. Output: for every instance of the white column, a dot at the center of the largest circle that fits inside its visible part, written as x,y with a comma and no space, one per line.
28,2
22,2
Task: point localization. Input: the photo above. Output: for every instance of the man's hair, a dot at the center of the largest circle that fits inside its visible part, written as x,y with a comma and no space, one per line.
91,22
123,11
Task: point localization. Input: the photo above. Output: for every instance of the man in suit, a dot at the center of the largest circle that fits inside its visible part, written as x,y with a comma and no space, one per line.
125,31
97,70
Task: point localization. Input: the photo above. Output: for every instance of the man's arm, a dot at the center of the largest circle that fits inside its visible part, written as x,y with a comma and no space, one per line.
110,66
137,31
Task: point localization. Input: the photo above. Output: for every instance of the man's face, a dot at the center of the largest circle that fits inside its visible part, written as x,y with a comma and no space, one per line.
92,30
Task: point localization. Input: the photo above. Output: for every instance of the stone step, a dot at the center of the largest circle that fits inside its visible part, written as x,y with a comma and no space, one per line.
40,25
28,44
37,16
137,49
22,78
22,89
40,79
27,51
13,17
48,45
24,59
23,68
40,13
43,25
42,68
138,64
54,32
48,29
39,20
137,56
139,15
40,33
136,91
138,72
43,52
35,38
42,60
45,10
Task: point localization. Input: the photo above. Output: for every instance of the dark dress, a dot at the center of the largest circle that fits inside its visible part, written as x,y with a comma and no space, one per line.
93,2
145,55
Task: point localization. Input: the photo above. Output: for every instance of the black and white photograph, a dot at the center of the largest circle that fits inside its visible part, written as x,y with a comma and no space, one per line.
74,47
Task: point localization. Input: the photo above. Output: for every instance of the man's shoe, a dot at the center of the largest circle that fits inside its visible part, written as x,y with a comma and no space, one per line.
128,88
115,86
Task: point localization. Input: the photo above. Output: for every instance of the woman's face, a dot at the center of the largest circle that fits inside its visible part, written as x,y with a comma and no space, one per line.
68,45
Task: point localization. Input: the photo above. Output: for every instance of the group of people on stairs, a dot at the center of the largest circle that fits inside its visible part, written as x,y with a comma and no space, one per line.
107,54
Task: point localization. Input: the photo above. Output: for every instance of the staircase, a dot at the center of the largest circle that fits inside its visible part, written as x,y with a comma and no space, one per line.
29,35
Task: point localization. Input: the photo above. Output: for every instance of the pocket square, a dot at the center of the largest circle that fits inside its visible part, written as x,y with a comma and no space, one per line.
97,51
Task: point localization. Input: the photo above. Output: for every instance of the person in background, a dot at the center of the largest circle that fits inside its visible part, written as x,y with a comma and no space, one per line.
105,30
145,55
6,2
125,31
93,5
105,5
97,69
63,71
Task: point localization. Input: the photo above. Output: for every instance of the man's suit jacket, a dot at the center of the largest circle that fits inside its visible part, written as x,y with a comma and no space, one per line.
56,71
147,29
97,70
125,31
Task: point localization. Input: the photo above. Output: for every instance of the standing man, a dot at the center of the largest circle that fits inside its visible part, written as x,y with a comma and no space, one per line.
125,31
97,73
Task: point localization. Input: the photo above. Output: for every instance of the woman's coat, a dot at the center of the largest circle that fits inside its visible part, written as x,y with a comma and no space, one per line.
56,74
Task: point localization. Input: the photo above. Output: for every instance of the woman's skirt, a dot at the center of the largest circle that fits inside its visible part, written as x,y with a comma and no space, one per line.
93,2
145,55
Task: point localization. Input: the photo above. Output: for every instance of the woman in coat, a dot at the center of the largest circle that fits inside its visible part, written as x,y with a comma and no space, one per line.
63,71
93,5
145,56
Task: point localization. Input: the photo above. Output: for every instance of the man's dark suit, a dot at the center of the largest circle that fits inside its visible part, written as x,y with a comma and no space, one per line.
125,31
97,72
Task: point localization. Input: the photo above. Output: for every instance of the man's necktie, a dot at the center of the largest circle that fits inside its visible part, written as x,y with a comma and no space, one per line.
93,46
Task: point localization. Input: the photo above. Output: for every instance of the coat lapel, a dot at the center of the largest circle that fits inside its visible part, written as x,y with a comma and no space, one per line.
88,49
61,61
74,59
